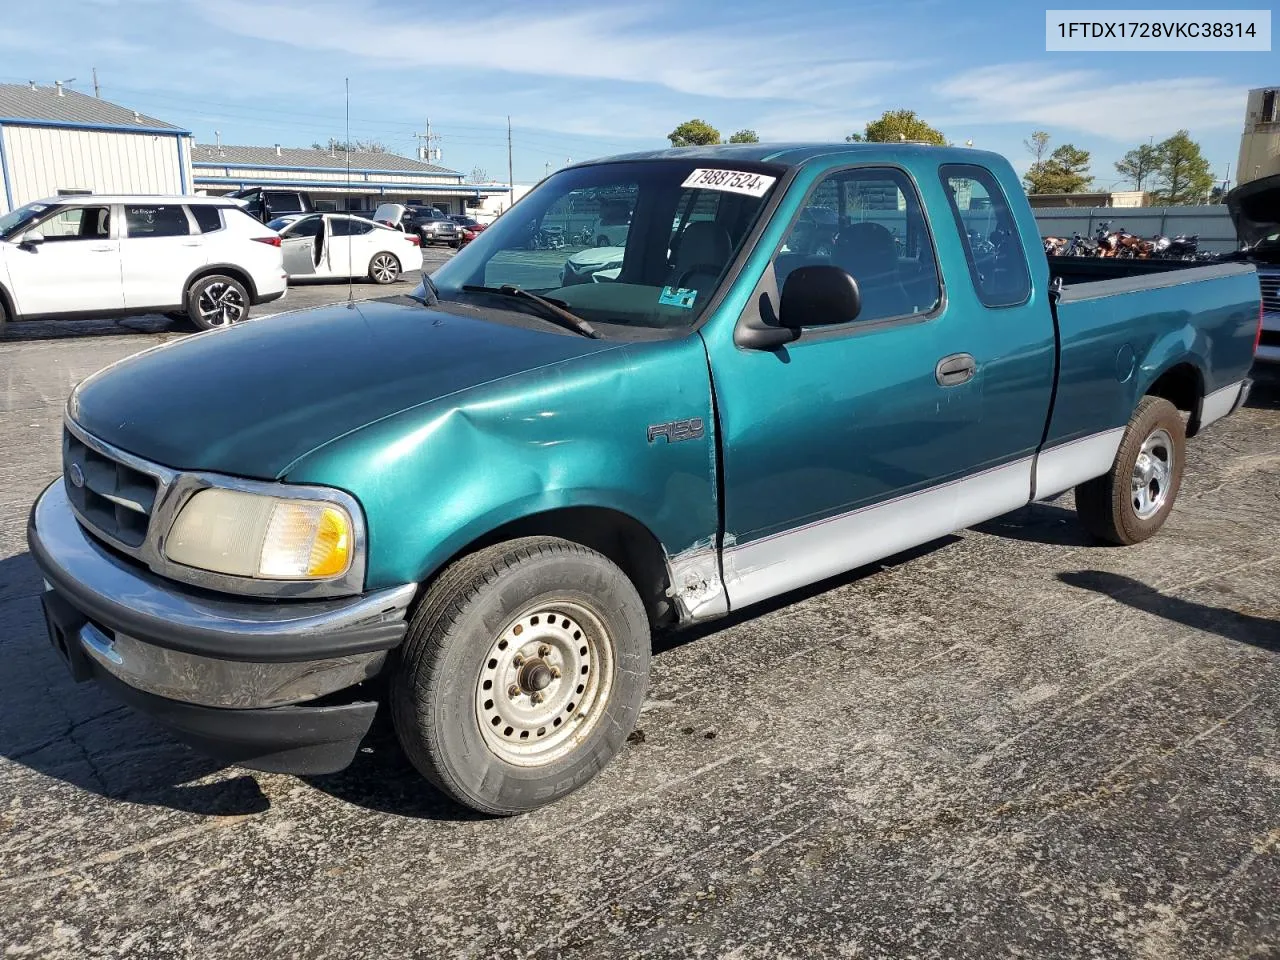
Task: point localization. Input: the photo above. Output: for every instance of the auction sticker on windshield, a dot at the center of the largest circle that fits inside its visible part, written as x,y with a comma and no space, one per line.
731,181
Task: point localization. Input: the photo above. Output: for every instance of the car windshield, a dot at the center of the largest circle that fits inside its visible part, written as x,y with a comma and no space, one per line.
15,221
632,243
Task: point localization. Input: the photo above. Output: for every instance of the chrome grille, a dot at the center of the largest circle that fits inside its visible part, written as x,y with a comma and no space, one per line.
1270,283
113,499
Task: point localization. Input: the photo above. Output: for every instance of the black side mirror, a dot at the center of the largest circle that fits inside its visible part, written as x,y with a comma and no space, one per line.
819,296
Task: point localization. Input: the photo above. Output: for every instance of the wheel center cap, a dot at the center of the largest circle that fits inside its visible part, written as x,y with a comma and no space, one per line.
535,676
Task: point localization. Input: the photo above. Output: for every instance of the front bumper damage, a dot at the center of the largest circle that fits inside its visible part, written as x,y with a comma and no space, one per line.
271,685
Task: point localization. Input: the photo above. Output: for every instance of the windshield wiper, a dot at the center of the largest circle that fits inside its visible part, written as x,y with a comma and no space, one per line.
552,307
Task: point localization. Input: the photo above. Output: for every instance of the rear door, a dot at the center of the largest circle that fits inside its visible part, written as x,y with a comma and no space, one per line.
76,266
867,438
160,250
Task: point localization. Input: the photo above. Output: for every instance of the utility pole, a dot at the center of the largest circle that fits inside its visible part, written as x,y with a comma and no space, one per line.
429,139
96,92
511,177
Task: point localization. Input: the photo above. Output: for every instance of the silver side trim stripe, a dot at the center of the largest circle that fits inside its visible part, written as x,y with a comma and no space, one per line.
767,567
1219,403
1062,467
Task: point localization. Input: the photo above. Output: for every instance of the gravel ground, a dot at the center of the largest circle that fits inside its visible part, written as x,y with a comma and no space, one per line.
1007,743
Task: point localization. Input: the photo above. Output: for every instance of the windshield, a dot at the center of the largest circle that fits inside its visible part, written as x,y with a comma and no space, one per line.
16,221
639,244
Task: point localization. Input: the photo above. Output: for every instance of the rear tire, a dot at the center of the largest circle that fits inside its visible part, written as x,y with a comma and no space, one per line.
1133,500
384,268
472,706
217,301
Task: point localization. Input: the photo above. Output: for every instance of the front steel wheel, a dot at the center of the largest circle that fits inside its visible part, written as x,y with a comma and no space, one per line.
522,673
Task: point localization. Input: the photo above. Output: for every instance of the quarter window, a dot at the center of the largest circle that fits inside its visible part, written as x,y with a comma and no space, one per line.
208,218
992,246
347,227
156,221
869,222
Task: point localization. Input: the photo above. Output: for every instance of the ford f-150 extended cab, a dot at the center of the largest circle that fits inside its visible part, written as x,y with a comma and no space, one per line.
479,501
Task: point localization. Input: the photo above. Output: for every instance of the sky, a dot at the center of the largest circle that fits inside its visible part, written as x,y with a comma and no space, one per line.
587,79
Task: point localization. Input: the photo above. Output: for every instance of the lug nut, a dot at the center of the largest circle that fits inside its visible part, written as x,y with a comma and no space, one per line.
513,691
544,651
518,661
535,697
555,672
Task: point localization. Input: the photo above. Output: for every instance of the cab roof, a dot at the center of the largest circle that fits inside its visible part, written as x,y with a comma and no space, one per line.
796,154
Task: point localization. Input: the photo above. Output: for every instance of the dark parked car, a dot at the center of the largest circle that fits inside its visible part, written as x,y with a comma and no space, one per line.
470,226
428,223
268,205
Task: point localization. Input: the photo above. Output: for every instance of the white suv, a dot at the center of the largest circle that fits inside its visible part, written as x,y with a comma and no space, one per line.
202,257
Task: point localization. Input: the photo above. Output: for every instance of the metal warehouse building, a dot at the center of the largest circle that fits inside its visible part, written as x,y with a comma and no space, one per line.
373,177
54,140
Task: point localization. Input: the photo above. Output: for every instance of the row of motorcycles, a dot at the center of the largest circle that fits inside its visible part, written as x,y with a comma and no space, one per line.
1106,242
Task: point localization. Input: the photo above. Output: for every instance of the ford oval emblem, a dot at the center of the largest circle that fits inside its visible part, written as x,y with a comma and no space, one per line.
76,475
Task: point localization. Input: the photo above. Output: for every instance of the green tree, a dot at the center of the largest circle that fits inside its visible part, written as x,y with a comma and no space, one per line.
1182,175
1066,170
898,125
745,136
694,133
1138,164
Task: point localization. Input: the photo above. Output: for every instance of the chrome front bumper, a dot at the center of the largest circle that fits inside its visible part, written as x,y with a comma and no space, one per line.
201,648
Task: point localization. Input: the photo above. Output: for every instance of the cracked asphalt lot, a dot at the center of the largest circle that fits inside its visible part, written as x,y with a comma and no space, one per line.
1008,743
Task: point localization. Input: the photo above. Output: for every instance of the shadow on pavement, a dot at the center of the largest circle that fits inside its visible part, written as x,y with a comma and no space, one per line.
671,639
1265,394
1039,523
78,734
1260,632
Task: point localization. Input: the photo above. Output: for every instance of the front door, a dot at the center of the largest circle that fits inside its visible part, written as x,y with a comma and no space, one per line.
847,445
74,267
160,250
302,246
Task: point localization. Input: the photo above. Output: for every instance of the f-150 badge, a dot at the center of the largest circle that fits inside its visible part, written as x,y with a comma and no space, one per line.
676,430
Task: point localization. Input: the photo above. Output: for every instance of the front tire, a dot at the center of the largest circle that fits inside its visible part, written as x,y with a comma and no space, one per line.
384,268
217,301
1133,500
522,674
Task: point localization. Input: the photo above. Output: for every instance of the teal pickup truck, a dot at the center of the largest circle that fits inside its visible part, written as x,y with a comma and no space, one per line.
477,503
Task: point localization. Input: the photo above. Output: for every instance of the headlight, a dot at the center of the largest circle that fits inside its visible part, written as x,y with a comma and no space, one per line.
272,538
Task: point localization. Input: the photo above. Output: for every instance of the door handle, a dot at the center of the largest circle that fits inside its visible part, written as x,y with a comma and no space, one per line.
955,369
102,249
192,243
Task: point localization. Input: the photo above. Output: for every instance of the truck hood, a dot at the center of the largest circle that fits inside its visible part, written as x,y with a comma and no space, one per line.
252,399
1255,209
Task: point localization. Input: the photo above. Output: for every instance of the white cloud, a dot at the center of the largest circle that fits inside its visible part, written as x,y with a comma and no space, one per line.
1104,103
615,44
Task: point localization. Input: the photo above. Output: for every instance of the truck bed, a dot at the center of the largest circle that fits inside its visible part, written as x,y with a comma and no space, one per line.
1121,324
1085,277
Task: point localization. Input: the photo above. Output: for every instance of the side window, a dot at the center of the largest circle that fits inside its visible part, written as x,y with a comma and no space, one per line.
208,218
156,221
306,227
347,227
992,246
869,222
76,223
